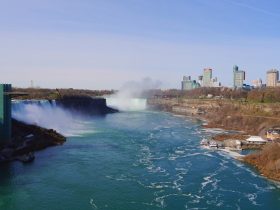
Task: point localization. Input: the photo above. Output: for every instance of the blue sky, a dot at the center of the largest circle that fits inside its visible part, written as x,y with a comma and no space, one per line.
102,44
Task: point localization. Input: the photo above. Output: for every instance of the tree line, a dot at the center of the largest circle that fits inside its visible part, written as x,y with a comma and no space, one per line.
258,95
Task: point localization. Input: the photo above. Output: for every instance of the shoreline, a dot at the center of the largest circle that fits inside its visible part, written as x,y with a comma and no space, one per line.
26,140
209,125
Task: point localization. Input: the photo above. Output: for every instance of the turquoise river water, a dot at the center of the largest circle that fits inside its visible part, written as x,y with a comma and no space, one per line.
135,161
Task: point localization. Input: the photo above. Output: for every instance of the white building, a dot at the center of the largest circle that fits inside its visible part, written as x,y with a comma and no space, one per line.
256,140
257,83
207,77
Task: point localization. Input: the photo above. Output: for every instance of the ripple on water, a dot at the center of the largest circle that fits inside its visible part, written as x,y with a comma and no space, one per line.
168,171
252,198
93,205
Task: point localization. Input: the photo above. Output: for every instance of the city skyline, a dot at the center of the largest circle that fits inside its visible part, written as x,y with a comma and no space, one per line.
239,77
102,45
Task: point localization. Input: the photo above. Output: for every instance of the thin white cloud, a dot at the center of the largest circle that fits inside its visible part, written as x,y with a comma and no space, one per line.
251,7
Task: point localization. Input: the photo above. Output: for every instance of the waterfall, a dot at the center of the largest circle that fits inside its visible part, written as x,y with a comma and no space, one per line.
47,114
127,104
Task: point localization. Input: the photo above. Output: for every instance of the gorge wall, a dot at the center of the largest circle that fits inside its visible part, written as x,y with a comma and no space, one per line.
252,118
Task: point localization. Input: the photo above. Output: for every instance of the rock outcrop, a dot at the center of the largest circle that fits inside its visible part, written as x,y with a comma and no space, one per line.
28,139
85,105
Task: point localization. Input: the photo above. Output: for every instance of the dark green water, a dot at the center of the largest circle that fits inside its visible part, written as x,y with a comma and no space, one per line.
135,161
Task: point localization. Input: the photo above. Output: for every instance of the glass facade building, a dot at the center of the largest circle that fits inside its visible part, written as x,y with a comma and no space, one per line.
188,84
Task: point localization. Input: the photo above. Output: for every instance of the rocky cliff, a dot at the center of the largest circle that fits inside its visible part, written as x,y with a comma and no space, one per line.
228,114
85,105
27,139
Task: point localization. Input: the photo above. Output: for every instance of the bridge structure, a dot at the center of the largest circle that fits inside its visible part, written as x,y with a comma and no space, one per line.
6,95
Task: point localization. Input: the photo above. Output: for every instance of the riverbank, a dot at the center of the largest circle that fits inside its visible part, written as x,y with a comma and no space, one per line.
248,119
28,139
251,118
266,161
137,160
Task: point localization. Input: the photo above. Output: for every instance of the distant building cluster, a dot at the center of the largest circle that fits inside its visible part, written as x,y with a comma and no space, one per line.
208,80
205,80
189,84
239,77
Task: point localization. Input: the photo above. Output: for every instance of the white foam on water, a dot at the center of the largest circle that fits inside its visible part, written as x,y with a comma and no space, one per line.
195,200
161,199
243,167
252,198
238,207
154,169
208,154
207,180
93,205
196,208
213,130
159,185
118,178
179,152
233,154
143,203
263,189
276,184
182,170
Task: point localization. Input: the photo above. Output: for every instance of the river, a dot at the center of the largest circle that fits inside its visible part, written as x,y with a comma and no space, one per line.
136,160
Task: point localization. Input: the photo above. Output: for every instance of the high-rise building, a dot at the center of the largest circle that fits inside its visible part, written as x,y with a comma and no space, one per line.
200,80
31,84
189,84
187,78
207,77
257,83
238,77
215,82
272,77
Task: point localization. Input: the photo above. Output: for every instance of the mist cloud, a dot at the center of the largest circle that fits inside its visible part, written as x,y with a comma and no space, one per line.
131,96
